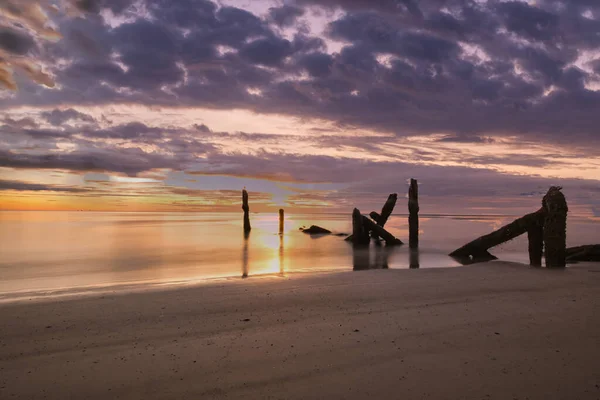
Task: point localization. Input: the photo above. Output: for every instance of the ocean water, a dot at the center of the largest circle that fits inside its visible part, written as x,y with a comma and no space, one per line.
51,251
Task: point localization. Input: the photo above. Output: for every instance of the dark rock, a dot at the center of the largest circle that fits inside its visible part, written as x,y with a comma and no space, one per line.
316,230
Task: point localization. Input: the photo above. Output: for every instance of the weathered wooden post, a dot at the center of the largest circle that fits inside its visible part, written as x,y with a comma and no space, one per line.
413,259
535,236
281,218
360,234
246,209
413,216
245,255
281,265
555,227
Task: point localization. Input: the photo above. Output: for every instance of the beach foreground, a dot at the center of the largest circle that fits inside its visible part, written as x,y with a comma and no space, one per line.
490,331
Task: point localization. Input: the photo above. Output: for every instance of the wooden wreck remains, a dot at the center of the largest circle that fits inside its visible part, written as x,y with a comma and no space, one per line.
545,228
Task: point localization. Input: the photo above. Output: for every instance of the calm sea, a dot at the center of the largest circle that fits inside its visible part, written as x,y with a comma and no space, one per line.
50,251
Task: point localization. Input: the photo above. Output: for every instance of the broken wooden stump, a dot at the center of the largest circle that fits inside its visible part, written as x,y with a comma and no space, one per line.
370,225
555,228
478,248
281,219
386,211
360,234
315,230
413,214
246,209
590,252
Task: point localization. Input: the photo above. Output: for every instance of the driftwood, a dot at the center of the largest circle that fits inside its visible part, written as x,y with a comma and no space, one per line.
315,230
360,234
281,219
413,214
386,211
390,240
555,228
246,209
478,248
590,252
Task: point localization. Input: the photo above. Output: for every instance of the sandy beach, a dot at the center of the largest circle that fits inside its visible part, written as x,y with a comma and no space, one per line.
490,331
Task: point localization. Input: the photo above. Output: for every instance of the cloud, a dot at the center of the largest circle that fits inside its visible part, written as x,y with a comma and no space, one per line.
58,117
285,15
15,42
478,73
35,187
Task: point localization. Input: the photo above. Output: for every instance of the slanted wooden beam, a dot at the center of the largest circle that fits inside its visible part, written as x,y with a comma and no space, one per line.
590,252
478,248
370,225
386,211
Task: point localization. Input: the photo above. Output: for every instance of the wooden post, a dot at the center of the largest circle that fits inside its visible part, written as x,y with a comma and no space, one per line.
555,228
413,216
281,265
245,255
360,235
246,209
281,219
413,259
535,236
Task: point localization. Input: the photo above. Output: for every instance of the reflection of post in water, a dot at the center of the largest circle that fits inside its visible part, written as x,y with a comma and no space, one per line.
245,255
281,267
414,261
361,257
382,254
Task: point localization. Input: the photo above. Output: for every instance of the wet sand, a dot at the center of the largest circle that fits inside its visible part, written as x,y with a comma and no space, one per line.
493,331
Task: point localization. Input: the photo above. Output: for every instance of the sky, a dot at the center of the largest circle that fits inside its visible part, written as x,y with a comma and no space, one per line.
313,106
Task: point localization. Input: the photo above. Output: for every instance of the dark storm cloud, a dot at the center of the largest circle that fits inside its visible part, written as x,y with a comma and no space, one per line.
25,186
528,21
127,161
285,15
59,117
268,51
25,148
460,67
317,64
15,42
374,31
94,6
